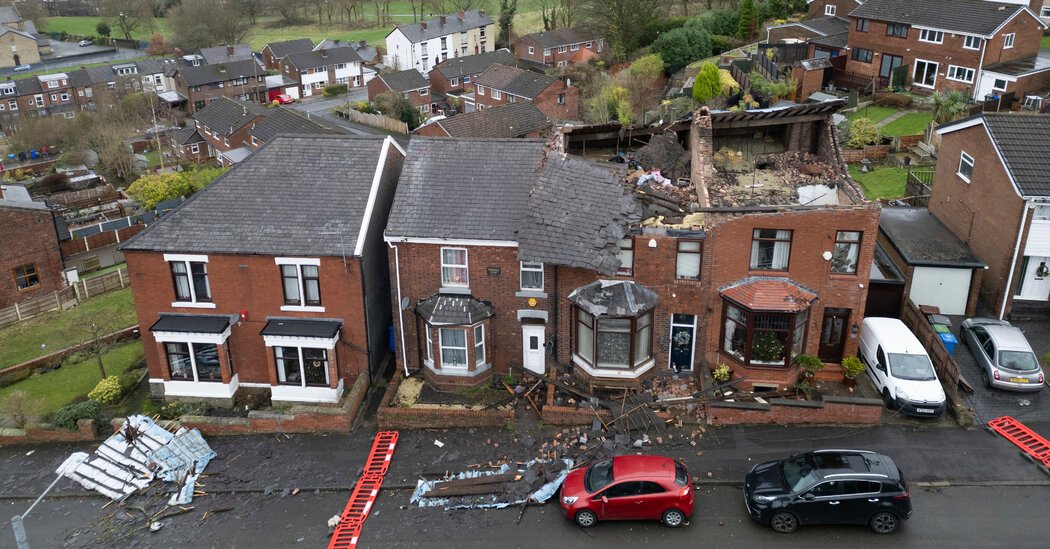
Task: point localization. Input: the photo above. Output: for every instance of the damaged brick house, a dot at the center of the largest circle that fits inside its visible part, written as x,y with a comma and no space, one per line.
540,259
270,281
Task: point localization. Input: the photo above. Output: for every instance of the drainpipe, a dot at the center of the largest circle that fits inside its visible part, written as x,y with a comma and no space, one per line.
1013,260
980,69
400,309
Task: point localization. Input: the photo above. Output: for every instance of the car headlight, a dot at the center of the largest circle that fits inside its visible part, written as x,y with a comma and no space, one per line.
569,500
762,499
901,394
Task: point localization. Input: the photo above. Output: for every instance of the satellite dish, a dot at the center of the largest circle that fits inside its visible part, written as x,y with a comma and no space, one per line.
404,303
827,256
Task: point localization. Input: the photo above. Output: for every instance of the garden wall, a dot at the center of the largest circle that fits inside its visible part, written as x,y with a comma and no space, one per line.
21,371
832,410
45,433
434,417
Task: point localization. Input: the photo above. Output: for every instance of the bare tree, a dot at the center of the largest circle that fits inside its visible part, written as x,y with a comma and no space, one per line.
127,14
464,5
201,23
549,13
569,12
251,8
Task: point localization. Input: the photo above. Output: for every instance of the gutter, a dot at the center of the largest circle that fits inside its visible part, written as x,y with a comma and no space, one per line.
1013,261
400,309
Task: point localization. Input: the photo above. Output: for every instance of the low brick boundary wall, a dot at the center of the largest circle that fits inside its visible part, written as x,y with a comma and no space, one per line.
566,415
837,410
18,372
434,417
45,433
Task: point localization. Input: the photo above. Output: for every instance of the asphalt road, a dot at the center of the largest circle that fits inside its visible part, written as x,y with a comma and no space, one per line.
943,517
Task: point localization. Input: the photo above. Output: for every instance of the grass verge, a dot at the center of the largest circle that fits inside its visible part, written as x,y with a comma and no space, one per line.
874,113
910,124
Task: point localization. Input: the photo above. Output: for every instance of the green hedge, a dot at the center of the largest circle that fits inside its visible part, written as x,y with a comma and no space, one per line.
334,89
67,417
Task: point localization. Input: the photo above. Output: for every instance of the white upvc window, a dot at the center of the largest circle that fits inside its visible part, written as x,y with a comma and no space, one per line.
454,82
972,43
300,283
562,49
430,344
1008,41
301,366
497,94
999,84
931,36
481,90
454,271
961,74
829,9
531,275
532,50
479,344
453,343
965,166
574,47
194,148
546,52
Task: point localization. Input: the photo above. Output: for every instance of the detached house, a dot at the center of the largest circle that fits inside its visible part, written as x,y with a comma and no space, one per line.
410,84
558,47
243,80
501,85
991,189
978,47
424,44
313,70
269,281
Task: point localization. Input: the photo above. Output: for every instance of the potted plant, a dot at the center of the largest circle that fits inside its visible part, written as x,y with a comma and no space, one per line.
809,364
721,374
851,368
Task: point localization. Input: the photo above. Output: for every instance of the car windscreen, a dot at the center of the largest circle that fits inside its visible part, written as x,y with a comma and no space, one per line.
913,367
681,476
598,476
798,472
1020,361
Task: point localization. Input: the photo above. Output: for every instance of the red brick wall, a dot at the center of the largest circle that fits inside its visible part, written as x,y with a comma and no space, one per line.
1027,32
252,284
521,51
431,130
843,7
393,417
984,215
857,411
46,434
546,101
809,82
29,237
375,87
440,84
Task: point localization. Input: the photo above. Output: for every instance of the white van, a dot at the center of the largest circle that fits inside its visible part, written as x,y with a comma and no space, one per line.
900,368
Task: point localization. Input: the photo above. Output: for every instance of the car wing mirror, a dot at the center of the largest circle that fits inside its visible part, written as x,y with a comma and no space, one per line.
808,496
605,499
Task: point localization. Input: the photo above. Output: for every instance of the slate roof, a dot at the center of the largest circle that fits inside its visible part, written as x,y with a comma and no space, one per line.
560,37
314,58
577,213
1022,140
220,54
226,115
614,298
279,120
281,49
511,120
186,136
839,40
209,74
977,17
474,64
472,19
401,81
266,206
922,240
453,310
16,196
4,30
512,80
364,51
769,294
8,14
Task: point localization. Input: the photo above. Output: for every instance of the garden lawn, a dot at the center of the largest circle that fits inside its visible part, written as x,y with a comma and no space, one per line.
874,113
59,330
910,124
63,386
1045,42
880,183
85,26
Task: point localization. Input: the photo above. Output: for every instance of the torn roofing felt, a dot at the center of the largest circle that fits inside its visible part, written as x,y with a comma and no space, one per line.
614,298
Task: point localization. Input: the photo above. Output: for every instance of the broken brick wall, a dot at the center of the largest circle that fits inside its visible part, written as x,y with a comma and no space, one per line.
837,410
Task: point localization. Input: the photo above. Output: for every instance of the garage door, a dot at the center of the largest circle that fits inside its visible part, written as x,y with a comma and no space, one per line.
941,287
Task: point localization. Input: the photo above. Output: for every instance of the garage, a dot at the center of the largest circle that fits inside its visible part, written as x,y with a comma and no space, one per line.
942,287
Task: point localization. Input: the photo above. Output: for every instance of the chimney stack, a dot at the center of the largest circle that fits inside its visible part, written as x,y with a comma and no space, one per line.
423,25
362,43
229,51
324,53
462,15
701,152
442,19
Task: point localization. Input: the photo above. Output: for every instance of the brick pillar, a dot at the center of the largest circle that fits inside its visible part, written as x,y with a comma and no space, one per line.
271,368
701,150
162,353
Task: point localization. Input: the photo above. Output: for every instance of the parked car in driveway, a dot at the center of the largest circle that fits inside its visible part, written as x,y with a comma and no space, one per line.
22,68
828,487
900,368
630,487
85,43
1003,354
285,99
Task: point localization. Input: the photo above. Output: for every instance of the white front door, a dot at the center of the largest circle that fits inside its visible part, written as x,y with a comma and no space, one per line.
1036,282
532,336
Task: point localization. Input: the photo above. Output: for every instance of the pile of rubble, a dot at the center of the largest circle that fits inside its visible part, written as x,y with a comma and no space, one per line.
772,179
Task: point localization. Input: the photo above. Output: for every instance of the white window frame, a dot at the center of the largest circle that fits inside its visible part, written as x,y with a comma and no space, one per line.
448,282
454,82
974,40
688,254
299,263
965,159
52,84
480,89
546,52
190,342
996,87
195,148
931,36
829,9
953,73
626,256
430,344
1008,40
574,47
479,342
442,347
497,94
302,366
915,72
187,259
530,267
562,49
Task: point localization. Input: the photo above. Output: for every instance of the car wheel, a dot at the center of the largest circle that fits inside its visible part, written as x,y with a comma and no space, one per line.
785,523
884,523
673,518
887,399
586,518
985,379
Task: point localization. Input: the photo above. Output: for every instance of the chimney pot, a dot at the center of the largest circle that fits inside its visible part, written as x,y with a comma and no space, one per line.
229,51
362,43
324,52
423,25
442,18
462,15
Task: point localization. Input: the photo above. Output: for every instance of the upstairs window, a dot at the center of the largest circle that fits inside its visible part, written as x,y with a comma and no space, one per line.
862,25
190,277
626,256
829,9
965,166
531,275
972,43
687,265
300,281
497,94
932,36
454,270
770,249
1008,41
899,30
847,251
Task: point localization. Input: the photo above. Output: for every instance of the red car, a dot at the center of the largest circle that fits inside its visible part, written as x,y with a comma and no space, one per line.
629,488
284,99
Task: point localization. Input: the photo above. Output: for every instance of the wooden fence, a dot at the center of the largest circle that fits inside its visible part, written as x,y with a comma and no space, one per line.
918,187
946,367
374,120
65,298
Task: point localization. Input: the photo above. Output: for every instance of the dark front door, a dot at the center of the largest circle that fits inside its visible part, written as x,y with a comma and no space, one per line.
889,62
833,334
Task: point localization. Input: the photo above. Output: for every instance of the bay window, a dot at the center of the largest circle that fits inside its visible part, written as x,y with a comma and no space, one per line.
302,366
453,347
198,362
762,338
479,345
614,342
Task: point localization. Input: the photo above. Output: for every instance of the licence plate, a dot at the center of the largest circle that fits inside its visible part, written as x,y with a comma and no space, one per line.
924,410
1019,379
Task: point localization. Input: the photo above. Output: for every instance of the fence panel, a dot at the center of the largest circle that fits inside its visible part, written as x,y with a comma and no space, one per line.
65,298
374,120
919,187
946,367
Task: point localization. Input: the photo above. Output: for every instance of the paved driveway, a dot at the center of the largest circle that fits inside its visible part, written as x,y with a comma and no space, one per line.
988,404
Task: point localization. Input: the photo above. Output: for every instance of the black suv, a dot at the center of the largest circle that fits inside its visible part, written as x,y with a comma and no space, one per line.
828,487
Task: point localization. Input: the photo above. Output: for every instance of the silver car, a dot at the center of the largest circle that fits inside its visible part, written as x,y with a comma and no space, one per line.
1003,354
